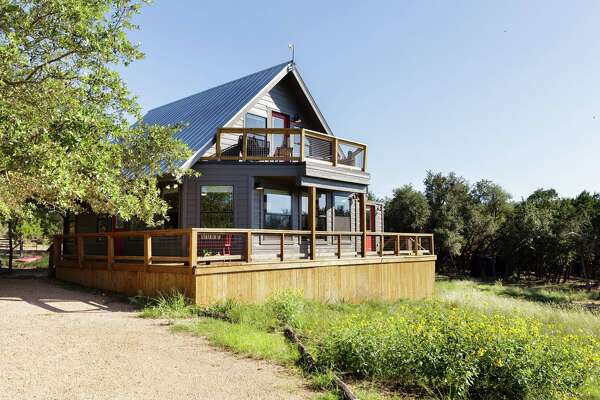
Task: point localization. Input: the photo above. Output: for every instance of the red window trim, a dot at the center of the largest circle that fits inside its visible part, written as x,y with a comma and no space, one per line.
284,117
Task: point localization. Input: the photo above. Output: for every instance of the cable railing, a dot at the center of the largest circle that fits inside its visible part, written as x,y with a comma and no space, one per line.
287,145
193,247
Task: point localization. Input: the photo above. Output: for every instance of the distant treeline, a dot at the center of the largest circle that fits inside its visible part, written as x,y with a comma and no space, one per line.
478,228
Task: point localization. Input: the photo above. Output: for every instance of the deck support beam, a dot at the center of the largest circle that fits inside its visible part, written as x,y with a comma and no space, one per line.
362,198
312,220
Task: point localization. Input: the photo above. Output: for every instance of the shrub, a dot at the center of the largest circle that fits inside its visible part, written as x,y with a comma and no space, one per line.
460,353
171,305
286,307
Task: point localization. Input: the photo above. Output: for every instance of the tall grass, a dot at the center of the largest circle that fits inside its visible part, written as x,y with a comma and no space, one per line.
471,341
498,299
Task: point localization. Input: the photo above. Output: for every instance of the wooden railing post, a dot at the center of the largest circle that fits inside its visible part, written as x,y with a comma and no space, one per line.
147,250
432,246
312,211
218,145
193,247
364,167
339,246
80,251
248,255
281,246
335,150
302,145
363,223
397,246
381,245
245,145
110,251
416,245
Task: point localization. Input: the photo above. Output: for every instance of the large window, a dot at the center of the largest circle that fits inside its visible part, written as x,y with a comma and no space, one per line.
255,121
170,193
216,207
321,209
342,211
278,209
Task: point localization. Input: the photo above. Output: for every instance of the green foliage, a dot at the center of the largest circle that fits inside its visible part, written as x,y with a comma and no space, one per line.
286,306
173,305
458,353
65,134
406,211
472,341
242,339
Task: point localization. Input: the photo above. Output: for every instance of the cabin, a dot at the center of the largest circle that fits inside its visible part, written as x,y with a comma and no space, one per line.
280,202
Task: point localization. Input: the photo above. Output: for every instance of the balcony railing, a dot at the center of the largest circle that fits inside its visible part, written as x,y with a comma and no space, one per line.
288,145
193,247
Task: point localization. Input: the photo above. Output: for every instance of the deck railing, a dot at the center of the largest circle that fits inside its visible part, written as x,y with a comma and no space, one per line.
290,145
194,247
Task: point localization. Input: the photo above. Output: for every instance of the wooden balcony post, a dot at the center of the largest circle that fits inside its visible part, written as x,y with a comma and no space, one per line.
302,145
218,145
147,249
364,167
432,246
281,246
381,245
363,223
110,251
245,145
80,251
312,224
193,247
335,151
248,255
339,246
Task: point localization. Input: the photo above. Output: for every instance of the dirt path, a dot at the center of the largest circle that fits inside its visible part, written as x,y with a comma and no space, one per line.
63,344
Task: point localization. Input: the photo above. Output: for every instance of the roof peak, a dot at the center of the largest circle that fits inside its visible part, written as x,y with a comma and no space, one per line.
289,64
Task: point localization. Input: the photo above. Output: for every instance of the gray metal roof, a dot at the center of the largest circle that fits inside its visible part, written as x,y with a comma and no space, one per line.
206,111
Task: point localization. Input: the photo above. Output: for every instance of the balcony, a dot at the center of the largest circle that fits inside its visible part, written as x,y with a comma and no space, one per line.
287,145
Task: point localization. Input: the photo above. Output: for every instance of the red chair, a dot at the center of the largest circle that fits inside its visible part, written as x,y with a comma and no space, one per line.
227,245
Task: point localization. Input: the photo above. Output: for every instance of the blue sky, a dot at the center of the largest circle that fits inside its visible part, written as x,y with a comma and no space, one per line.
505,90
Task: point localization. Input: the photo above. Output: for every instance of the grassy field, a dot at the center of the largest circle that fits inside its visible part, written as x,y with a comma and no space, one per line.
470,332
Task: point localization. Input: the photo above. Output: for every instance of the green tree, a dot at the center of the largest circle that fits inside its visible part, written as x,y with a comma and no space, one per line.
65,138
406,211
449,200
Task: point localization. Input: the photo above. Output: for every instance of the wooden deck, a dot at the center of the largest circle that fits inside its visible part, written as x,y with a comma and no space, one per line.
250,265
290,145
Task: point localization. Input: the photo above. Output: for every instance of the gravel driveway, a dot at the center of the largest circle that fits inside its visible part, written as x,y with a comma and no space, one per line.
57,343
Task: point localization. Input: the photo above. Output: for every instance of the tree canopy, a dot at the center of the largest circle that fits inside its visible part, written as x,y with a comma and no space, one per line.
66,138
544,235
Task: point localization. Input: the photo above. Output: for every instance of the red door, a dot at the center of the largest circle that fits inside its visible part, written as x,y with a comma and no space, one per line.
118,242
282,146
370,220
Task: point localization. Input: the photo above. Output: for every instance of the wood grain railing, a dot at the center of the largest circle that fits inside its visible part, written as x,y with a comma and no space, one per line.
194,246
291,145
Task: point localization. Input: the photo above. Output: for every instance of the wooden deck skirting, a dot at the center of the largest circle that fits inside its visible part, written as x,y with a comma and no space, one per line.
390,273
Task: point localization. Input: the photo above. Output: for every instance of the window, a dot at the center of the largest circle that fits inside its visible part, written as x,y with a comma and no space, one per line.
254,121
342,211
216,207
278,209
170,193
304,211
321,209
